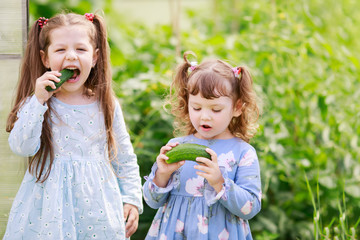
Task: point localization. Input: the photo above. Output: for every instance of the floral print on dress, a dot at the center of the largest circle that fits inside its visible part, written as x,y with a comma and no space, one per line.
227,160
247,159
246,209
81,198
224,235
195,186
154,228
188,206
202,224
179,226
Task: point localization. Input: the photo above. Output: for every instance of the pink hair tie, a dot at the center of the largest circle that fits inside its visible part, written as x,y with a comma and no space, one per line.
42,21
237,71
89,16
193,66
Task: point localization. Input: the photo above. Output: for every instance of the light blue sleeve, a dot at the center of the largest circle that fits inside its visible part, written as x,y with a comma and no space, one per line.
24,138
125,164
154,195
242,196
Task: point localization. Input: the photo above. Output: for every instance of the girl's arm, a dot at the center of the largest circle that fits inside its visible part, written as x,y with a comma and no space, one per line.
125,164
162,179
24,138
242,196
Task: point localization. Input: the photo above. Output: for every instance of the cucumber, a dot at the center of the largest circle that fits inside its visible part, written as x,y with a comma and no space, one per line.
187,151
66,74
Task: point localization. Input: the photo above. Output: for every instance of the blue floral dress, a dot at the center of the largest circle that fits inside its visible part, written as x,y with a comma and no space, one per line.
189,208
84,194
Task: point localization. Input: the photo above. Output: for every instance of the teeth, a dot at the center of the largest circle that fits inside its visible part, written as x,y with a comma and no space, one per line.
71,68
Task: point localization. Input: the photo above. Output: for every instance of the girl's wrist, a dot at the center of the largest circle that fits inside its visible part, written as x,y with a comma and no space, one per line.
40,100
161,178
219,185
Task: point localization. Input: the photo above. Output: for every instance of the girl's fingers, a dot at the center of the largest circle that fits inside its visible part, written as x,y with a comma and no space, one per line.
204,161
201,168
168,147
162,157
132,222
50,84
174,144
52,75
212,153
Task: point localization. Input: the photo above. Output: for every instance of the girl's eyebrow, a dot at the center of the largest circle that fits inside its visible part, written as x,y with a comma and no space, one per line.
211,105
58,44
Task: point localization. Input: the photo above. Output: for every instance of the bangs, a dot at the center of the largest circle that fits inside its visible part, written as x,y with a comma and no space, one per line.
209,84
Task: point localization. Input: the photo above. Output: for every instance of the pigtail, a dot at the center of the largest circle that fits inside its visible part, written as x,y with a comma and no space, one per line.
31,69
100,80
245,125
178,96
179,85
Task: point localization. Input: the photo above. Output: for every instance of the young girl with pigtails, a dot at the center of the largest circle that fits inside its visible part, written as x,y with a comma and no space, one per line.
214,104
83,179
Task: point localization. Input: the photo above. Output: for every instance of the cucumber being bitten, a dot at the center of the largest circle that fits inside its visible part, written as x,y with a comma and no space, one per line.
66,74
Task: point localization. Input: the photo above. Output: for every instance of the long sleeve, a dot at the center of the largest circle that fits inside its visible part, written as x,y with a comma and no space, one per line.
125,164
24,138
242,196
154,195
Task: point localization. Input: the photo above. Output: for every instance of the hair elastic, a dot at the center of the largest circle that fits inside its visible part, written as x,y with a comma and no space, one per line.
89,16
193,66
237,71
42,21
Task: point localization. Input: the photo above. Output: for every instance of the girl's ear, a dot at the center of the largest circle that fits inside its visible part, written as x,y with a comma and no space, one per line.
238,108
95,57
44,59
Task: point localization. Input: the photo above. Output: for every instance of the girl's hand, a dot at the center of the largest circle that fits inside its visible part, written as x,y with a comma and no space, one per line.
165,170
46,80
210,170
131,216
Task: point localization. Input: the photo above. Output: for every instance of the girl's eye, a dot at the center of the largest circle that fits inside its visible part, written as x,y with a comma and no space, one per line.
60,50
216,110
196,109
82,49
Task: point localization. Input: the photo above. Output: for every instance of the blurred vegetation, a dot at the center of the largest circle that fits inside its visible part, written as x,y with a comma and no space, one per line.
303,56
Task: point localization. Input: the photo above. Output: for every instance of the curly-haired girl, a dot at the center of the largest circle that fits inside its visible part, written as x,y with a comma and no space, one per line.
214,104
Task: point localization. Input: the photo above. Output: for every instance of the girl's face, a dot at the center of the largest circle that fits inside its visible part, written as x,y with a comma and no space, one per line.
211,117
70,47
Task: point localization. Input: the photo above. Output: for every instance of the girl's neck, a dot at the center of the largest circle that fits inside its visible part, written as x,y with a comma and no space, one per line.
75,98
223,136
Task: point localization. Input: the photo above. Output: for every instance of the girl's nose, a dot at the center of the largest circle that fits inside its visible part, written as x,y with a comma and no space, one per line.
205,115
71,55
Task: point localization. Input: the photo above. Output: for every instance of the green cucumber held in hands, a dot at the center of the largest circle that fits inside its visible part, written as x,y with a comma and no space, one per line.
187,151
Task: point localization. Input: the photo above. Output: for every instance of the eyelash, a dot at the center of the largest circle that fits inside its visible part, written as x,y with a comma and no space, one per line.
79,49
198,109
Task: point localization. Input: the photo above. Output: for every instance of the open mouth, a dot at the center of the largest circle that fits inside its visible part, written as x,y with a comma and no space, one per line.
75,75
76,72
204,126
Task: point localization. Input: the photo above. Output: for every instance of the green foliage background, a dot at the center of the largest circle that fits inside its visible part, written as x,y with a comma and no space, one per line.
305,63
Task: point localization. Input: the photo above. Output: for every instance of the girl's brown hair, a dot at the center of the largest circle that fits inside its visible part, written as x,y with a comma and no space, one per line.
209,79
98,83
